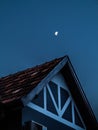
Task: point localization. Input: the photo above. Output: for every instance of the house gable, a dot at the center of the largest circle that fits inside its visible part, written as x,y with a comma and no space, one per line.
74,87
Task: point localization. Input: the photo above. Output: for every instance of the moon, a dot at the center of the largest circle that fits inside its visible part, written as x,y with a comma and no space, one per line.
56,33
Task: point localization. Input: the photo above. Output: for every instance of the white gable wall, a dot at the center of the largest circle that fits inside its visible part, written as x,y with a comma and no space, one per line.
59,79
45,99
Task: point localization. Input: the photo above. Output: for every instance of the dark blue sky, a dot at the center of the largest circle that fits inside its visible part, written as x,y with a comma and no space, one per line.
27,37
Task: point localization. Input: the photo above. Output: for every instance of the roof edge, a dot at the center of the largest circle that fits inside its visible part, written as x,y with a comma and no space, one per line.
79,96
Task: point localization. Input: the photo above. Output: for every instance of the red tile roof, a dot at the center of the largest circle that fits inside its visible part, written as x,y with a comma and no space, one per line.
15,86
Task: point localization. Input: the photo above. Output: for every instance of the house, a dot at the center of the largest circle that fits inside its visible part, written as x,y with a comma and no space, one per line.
48,96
